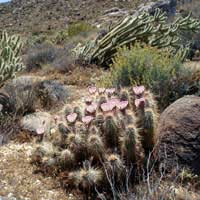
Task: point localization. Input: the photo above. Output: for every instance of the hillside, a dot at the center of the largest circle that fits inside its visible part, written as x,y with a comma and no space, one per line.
24,16
38,15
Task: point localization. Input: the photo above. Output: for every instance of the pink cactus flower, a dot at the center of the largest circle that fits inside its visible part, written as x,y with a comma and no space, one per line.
140,103
88,100
91,108
114,101
72,117
138,90
102,90
122,105
110,90
95,105
106,107
87,119
92,89
40,131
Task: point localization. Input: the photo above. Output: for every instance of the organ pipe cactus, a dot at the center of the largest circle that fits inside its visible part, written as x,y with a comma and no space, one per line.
146,28
10,61
107,142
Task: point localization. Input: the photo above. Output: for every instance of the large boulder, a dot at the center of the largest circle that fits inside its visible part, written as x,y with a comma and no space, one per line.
179,130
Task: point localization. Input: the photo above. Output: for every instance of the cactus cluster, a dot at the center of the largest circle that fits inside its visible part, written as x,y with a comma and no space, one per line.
10,61
111,132
150,29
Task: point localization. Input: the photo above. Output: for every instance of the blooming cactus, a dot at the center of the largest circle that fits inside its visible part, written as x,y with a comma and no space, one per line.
113,130
140,103
101,90
138,90
87,119
71,118
92,89
122,105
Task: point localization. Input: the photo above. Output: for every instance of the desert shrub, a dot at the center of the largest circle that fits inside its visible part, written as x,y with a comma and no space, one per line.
8,127
57,58
52,37
39,55
164,75
65,60
79,28
51,93
6,106
61,37
35,39
22,95
64,63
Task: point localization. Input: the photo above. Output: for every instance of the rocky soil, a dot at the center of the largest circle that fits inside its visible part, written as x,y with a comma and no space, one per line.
17,180
26,15
17,177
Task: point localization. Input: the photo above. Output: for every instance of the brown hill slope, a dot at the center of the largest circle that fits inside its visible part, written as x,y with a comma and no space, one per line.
30,15
23,16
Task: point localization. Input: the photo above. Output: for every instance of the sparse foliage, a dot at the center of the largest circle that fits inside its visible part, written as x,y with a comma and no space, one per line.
166,76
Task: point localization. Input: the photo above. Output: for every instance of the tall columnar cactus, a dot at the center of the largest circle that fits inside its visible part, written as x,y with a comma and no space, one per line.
150,29
10,61
105,138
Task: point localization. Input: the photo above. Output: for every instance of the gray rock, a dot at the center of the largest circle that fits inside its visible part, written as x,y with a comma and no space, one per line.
37,120
169,6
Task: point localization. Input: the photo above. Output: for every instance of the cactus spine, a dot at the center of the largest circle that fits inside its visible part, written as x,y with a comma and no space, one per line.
10,61
108,143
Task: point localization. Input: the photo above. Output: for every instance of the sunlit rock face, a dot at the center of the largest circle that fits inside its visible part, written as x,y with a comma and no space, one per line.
179,131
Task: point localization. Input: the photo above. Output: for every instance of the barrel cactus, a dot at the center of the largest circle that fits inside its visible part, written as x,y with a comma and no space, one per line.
10,61
113,131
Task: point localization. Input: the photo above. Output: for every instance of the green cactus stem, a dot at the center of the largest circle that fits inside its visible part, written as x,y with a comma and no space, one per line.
154,30
10,61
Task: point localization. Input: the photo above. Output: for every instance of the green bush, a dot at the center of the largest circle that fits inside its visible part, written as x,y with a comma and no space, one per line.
79,28
164,75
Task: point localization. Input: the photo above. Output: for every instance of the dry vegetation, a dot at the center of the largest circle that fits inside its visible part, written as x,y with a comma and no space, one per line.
47,57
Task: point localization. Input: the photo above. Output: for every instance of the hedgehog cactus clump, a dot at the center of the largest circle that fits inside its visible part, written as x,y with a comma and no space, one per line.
109,133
